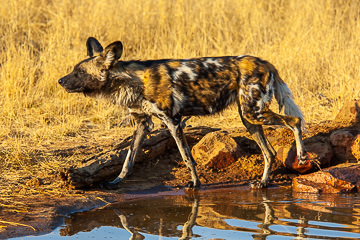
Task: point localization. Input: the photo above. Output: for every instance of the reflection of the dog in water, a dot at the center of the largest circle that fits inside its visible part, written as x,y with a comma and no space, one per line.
134,234
269,218
260,214
186,230
157,216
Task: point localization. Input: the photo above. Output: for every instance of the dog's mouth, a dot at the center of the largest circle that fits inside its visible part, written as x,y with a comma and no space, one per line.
75,90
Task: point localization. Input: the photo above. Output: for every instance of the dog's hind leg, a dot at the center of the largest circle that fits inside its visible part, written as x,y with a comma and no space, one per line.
291,122
178,134
144,125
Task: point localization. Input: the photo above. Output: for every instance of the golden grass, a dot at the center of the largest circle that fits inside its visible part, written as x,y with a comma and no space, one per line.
17,224
314,44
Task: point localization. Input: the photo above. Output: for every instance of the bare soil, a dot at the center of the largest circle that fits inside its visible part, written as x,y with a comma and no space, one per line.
35,203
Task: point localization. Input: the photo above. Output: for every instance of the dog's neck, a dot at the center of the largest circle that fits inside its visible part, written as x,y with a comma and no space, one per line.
125,86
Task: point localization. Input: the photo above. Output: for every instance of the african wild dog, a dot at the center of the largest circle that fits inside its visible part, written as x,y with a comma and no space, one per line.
171,89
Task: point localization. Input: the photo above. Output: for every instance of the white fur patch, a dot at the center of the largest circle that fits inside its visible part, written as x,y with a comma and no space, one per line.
260,104
241,92
178,98
151,108
213,61
185,69
126,96
110,57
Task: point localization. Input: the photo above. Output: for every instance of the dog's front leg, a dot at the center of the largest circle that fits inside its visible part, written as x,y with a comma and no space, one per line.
178,134
187,232
144,126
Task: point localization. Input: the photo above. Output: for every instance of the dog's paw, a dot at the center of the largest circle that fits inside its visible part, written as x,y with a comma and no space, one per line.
191,186
302,160
113,185
258,185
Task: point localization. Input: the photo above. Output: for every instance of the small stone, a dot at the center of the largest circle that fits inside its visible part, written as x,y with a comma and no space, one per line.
216,150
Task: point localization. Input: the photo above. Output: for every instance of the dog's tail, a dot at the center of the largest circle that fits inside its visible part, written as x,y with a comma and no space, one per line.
285,99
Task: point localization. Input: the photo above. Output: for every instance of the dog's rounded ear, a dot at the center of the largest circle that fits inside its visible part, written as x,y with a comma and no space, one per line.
93,47
112,53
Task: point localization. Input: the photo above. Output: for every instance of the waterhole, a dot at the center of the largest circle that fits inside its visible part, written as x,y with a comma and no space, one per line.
228,213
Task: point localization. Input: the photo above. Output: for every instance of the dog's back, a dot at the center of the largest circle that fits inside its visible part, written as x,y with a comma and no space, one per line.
205,86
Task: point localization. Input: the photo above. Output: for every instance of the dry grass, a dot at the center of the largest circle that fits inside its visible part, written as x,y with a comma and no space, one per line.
313,44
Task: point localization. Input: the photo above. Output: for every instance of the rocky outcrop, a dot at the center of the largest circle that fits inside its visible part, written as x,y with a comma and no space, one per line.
339,179
216,150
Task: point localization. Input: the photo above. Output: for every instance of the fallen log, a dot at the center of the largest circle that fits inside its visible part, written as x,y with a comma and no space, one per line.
106,165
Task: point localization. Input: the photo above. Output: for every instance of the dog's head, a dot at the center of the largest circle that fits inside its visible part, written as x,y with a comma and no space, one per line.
91,74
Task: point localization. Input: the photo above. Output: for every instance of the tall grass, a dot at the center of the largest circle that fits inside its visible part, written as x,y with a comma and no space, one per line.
315,45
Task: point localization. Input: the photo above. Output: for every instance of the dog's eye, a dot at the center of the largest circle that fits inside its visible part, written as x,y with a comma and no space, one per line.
79,73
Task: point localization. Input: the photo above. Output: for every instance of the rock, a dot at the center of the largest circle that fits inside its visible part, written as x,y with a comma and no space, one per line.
339,179
318,150
216,150
341,140
349,114
355,147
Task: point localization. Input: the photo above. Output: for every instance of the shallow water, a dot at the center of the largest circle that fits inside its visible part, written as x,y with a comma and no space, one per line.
230,213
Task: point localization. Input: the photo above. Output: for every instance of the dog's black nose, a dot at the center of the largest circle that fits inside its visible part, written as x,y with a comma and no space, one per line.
60,81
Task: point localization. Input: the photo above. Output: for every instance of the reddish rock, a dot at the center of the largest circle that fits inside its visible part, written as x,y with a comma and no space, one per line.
355,147
216,150
349,114
342,140
339,179
318,151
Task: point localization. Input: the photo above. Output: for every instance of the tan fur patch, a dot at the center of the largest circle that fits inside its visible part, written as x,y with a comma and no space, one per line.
91,68
247,65
158,90
174,64
164,89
